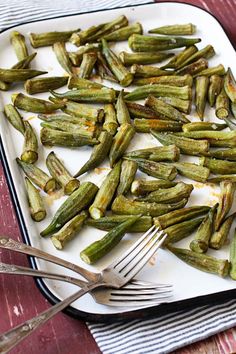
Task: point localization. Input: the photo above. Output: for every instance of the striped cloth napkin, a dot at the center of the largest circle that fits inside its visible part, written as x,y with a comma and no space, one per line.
165,333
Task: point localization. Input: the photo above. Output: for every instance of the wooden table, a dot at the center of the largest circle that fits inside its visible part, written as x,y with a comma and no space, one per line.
20,299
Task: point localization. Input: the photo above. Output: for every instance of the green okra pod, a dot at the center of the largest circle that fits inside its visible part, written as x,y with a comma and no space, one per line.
129,59
116,66
214,89
30,149
178,29
106,192
76,202
145,125
103,69
99,153
19,45
87,65
141,187
225,203
35,105
144,43
184,92
49,38
215,138
69,230
145,71
164,110
202,261
179,231
17,75
70,127
187,146
156,169
123,33
202,83
37,176
193,68
230,85
172,80
206,53
218,238
225,154
61,174
81,83
128,171
107,223
159,153
222,105
122,112
216,70
52,137
65,118
76,57
37,209
169,195
110,121
218,166
120,142
14,118
178,216
139,111
182,105
81,37
100,248
103,95
122,205
44,84
109,27
218,179
180,58
196,126
192,171
202,237
232,272
63,57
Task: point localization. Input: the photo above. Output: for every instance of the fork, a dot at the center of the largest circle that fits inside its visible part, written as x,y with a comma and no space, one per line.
119,273
146,294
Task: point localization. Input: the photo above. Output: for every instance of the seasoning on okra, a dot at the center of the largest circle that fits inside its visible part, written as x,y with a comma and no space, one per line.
123,205
159,153
128,171
44,84
99,153
35,105
137,110
224,154
145,125
202,261
230,85
141,187
192,171
178,29
214,89
69,230
81,83
110,121
182,105
218,166
120,142
196,126
37,209
71,127
100,248
77,201
193,68
129,59
216,70
37,176
225,203
202,83
218,238
30,149
14,118
172,80
61,174
202,237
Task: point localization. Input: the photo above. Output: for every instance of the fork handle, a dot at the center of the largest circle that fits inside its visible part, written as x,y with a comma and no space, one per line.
14,269
12,245
10,339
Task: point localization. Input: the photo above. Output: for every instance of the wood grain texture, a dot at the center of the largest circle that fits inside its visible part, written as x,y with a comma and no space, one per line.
20,298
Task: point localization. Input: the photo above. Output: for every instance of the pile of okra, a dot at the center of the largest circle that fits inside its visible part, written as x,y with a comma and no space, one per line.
124,203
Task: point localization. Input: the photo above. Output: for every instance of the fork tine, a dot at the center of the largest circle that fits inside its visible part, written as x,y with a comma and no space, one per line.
137,292
140,297
147,284
144,285
139,304
137,263
136,250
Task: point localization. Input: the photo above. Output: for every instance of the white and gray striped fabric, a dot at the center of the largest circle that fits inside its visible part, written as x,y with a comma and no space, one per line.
165,333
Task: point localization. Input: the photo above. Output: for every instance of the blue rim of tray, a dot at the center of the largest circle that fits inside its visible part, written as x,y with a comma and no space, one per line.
159,310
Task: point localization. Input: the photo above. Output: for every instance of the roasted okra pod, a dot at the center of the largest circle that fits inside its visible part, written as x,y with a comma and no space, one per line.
192,171
214,89
202,83
206,53
75,82
145,71
17,75
69,230
19,45
145,125
87,65
63,56
217,166
37,176
178,29
60,174
181,230
141,187
30,149
100,248
137,110
109,27
202,261
103,95
35,105
215,138
14,118
158,154
77,201
218,239
128,171
202,237
99,153
180,58
122,112
182,105
81,37
172,80
77,56
224,154
230,85
122,205
110,121
184,92
121,142
143,58
37,209
194,68
225,203
44,84
49,38
222,105
123,33
196,126
216,70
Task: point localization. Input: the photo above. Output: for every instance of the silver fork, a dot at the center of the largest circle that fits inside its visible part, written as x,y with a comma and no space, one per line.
116,275
135,293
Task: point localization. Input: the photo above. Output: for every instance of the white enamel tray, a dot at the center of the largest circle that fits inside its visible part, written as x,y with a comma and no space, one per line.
190,285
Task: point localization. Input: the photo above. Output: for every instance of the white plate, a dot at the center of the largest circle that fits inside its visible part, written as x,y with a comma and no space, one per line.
188,282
